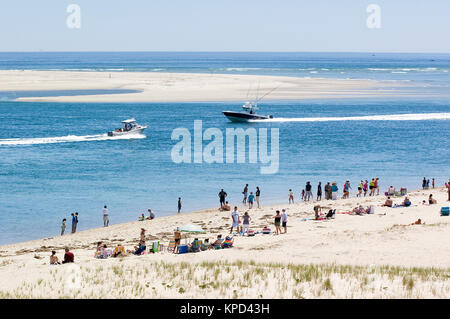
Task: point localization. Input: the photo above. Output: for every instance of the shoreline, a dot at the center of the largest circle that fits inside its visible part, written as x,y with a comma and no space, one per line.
191,87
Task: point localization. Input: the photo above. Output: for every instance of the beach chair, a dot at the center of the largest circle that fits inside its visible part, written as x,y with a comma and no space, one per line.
331,213
171,247
445,211
228,243
155,246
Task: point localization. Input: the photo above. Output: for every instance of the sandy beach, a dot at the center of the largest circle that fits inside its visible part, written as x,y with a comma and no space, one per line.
350,256
189,87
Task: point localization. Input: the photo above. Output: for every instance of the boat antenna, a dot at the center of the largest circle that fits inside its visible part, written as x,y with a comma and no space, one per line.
267,93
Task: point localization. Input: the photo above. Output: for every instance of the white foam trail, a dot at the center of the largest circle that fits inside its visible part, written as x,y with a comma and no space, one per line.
68,139
389,117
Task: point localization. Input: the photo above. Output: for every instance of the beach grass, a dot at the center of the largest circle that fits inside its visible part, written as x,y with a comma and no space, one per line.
236,280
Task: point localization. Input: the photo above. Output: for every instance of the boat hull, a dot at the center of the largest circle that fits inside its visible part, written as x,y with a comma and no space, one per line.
139,130
244,117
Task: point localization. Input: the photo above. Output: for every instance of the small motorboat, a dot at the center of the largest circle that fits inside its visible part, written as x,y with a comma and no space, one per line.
130,126
247,115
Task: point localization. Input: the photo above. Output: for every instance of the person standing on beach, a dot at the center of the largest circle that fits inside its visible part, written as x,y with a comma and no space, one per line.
277,222
250,200
327,190
334,191
308,188
377,186
284,220
291,196
63,226
179,205
346,189
234,220
360,188
222,196
372,187
365,185
245,192
74,222
432,183
448,189
424,183
257,194
245,223
105,216
319,191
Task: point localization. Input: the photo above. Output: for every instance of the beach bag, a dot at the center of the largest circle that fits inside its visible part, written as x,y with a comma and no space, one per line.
251,233
266,230
445,211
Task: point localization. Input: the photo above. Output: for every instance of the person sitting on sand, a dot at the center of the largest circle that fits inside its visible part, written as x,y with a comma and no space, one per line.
151,215
218,242
119,250
105,252
194,246
226,207
317,211
359,210
98,250
54,259
142,217
431,200
138,250
388,202
391,190
406,202
68,256
205,245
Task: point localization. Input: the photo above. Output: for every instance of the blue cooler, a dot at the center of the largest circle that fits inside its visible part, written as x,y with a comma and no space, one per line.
182,249
445,211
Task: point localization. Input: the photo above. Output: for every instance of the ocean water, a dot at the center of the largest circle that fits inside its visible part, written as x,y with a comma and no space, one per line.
55,158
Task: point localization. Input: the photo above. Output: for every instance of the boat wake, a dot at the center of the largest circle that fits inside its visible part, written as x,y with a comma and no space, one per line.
68,139
389,117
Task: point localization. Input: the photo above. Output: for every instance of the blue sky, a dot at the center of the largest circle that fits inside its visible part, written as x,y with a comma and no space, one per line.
225,25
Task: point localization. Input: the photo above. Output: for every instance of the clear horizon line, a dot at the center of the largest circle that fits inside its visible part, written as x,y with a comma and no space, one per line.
217,51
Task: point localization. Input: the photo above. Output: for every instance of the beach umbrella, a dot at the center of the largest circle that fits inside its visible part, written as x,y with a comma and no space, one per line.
190,229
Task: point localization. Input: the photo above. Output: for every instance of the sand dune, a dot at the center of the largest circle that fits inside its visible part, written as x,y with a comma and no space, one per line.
348,257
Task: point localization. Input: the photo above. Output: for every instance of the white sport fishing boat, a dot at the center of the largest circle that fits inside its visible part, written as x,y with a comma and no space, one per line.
130,126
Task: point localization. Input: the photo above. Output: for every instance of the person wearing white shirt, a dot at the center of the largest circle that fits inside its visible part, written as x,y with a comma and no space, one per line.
105,217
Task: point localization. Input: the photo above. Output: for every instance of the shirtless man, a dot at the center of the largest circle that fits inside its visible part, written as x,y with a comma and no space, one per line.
388,202
177,236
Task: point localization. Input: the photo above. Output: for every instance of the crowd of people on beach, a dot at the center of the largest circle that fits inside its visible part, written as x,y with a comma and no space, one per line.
240,222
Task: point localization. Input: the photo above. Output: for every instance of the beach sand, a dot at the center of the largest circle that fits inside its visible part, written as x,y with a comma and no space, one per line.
189,87
350,256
